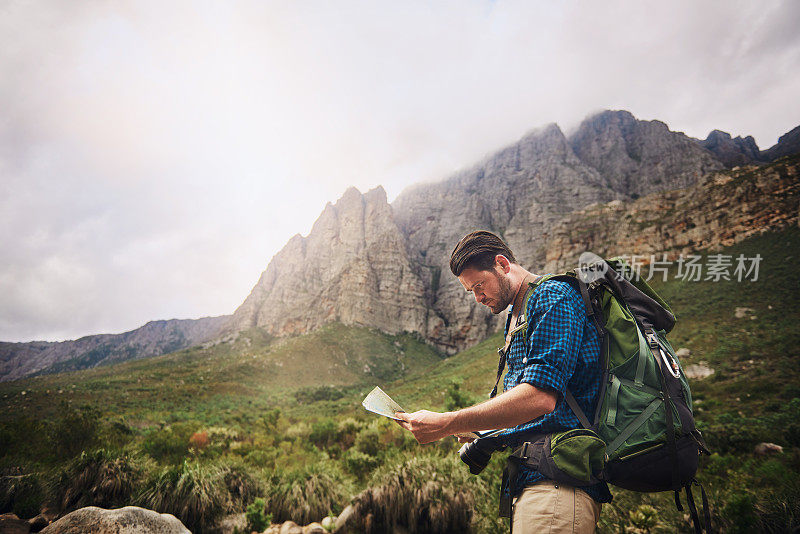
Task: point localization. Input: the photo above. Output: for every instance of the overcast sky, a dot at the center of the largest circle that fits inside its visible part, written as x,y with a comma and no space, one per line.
155,155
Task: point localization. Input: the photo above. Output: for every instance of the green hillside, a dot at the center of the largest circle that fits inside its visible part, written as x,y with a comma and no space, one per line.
283,414
217,383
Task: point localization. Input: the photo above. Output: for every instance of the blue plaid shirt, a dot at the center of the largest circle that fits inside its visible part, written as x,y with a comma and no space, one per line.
563,352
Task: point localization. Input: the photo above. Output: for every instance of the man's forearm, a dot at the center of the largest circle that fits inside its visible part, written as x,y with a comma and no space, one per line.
518,405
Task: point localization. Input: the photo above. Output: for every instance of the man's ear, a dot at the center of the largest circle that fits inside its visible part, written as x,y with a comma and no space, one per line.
503,262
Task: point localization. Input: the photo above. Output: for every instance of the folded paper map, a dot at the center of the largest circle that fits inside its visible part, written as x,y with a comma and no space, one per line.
380,403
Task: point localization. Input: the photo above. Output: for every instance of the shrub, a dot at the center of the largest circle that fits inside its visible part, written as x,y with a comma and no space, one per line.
319,393
99,478
257,520
324,433
307,495
348,430
169,444
193,493
270,419
644,518
368,441
198,441
739,513
74,430
427,494
359,464
456,399
21,494
241,485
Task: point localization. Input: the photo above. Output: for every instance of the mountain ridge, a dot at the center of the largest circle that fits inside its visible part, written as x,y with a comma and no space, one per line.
395,256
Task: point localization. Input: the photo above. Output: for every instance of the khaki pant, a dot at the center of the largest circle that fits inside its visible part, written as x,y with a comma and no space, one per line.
550,507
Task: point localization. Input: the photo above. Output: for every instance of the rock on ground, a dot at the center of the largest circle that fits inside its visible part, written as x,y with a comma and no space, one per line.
763,449
698,371
38,523
11,524
127,520
290,527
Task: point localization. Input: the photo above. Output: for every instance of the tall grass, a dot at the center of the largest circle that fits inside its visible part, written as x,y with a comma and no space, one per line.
423,495
21,494
99,478
307,495
194,493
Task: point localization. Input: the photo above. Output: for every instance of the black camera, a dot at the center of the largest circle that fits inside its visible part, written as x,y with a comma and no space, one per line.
478,453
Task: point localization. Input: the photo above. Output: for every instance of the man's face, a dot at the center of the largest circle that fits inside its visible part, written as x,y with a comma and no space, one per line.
491,288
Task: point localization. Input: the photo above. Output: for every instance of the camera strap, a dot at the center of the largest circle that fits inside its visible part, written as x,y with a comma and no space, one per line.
521,324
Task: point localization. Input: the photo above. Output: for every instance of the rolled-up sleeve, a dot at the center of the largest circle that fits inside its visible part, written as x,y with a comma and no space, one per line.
555,330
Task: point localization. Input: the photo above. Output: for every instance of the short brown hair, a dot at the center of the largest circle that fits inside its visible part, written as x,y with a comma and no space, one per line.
478,250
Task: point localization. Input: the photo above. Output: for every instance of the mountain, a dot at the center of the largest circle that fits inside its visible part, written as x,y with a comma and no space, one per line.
732,152
524,190
154,338
640,157
549,195
353,268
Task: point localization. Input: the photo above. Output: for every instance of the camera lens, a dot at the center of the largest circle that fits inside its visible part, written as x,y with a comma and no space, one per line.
476,455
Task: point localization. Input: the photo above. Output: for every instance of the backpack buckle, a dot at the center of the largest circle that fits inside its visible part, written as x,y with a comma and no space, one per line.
523,453
652,339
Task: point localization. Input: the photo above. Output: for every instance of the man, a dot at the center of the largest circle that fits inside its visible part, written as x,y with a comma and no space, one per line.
562,351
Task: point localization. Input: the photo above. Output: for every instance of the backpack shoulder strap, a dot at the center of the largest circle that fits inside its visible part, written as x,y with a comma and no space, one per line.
522,324
577,409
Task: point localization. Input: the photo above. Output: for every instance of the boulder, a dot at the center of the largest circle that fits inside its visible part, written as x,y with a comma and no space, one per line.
38,523
229,524
329,523
290,527
127,520
11,524
764,449
698,371
314,528
740,313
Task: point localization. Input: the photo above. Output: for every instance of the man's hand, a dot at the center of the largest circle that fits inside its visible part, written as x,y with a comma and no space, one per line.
518,405
425,425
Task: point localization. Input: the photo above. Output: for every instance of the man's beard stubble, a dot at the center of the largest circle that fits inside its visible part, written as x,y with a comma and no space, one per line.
506,295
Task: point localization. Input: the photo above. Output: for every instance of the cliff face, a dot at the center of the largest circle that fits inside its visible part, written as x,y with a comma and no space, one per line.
640,157
519,193
524,190
353,268
725,208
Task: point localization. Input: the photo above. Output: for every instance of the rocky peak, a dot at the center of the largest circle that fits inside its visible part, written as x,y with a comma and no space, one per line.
732,152
352,267
638,157
787,145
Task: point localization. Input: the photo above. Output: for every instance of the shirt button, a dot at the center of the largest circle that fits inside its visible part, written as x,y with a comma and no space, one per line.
525,359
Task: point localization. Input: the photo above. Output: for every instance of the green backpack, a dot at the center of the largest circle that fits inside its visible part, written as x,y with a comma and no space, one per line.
642,436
